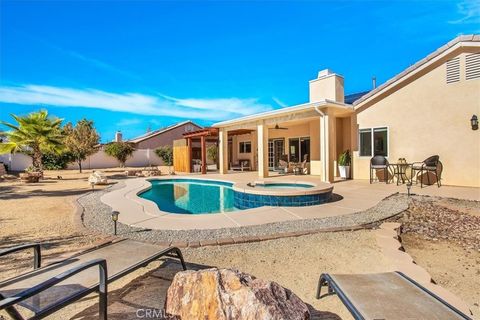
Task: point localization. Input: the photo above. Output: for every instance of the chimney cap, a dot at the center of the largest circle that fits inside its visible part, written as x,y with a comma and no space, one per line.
325,73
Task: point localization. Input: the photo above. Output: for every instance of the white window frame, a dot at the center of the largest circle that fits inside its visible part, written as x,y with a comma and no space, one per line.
371,129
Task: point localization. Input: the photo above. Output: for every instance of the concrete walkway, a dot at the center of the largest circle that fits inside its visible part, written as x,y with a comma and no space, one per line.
355,196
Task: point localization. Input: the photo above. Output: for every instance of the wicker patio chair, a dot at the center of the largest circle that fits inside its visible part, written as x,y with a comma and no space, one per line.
379,163
431,164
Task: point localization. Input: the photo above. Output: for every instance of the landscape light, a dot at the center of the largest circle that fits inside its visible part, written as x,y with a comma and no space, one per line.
409,185
115,219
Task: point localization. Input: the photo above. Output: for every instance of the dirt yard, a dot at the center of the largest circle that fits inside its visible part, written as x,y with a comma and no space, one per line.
443,236
44,212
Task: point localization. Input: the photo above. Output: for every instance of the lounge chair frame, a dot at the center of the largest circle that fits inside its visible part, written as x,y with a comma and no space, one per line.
326,279
8,303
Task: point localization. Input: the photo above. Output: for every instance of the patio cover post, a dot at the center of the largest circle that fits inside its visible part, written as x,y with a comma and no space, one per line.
324,146
223,150
204,155
189,155
262,145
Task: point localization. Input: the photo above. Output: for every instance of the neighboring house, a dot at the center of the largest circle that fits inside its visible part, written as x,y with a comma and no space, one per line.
164,136
145,145
423,111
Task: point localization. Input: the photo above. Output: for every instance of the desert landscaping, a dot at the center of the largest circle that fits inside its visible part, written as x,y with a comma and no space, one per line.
446,246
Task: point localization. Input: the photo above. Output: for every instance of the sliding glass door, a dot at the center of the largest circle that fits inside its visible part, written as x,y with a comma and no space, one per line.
299,149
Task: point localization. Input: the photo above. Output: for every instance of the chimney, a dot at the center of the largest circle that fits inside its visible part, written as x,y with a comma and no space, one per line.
118,136
374,82
328,85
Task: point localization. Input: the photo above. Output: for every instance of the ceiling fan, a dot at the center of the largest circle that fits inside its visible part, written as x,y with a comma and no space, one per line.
279,128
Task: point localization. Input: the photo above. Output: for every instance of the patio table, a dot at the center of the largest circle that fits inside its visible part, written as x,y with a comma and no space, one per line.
400,170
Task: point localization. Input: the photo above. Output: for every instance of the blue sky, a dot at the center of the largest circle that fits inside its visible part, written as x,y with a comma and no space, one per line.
130,65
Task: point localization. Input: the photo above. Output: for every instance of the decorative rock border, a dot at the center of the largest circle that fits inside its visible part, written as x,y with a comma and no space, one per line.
97,216
389,240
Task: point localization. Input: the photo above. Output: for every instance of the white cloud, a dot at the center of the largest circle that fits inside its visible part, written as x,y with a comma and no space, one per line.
231,105
135,103
469,10
279,102
128,122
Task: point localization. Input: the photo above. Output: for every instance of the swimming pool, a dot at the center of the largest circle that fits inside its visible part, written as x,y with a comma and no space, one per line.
196,196
191,196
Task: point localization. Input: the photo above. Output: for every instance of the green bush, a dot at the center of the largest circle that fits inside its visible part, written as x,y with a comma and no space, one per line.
166,154
120,150
212,153
54,161
345,159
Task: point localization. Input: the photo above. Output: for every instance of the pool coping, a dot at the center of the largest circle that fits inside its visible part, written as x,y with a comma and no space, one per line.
143,213
95,216
320,187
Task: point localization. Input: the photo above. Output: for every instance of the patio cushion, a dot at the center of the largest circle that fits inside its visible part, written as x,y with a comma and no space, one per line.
379,167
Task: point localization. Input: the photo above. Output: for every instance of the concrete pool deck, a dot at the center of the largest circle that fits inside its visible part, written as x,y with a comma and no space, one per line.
352,196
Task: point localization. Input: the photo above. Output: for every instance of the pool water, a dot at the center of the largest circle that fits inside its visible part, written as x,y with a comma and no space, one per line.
191,196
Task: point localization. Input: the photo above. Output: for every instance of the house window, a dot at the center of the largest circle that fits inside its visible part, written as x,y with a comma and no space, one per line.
245,147
299,149
365,142
375,140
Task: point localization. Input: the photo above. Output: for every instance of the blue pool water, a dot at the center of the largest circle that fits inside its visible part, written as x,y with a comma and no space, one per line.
191,196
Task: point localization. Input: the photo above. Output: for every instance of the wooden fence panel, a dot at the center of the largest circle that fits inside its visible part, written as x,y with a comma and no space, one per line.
181,156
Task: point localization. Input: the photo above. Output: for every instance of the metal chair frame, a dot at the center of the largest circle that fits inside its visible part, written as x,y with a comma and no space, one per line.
8,303
425,167
326,279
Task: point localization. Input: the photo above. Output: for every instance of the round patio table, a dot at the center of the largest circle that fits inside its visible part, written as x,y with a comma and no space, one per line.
402,170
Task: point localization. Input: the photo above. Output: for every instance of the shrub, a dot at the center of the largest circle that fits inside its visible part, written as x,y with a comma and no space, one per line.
120,150
345,159
54,161
166,154
212,153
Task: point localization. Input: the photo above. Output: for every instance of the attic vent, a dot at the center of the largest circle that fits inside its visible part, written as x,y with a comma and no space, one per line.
453,70
472,66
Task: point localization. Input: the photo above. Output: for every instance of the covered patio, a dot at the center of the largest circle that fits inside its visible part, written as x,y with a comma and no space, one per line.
191,151
308,136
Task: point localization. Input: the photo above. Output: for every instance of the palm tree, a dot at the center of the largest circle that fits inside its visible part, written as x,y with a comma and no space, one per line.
34,135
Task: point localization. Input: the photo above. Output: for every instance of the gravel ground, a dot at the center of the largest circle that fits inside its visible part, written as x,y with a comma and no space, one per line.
96,216
443,236
433,219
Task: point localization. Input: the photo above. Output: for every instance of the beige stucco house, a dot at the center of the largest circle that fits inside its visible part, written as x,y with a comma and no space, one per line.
423,111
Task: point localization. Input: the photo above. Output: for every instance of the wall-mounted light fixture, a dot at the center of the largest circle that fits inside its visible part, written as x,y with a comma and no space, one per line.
474,122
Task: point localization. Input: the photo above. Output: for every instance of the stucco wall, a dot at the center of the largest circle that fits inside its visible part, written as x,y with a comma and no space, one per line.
100,160
165,138
428,117
16,162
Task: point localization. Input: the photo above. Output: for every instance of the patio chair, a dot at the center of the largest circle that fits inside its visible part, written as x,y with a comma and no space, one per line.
49,288
242,165
302,167
379,163
390,295
431,164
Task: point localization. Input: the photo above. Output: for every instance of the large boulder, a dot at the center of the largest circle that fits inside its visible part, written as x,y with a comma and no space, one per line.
224,294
